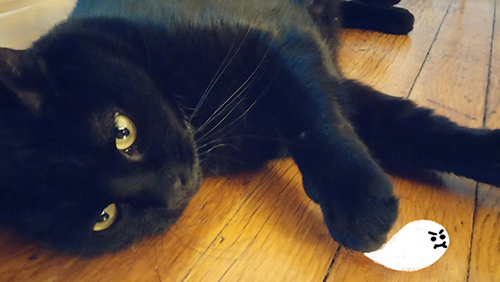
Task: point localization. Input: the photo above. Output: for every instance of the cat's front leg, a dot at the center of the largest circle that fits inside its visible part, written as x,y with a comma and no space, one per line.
355,195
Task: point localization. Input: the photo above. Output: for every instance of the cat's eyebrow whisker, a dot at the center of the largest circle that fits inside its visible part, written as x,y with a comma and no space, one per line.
244,86
219,73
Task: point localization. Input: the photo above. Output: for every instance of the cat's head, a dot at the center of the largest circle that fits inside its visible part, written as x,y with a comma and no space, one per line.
92,155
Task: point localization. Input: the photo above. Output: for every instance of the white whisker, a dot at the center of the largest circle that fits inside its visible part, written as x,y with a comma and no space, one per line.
215,147
208,144
235,120
219,74
232,98
223,118
244,86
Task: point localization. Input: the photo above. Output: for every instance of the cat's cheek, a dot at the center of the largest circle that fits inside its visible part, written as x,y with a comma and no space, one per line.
131,225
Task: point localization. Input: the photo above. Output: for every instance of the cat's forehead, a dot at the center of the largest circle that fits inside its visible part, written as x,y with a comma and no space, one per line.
97,84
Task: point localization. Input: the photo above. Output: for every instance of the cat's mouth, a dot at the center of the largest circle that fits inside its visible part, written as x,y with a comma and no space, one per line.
181,200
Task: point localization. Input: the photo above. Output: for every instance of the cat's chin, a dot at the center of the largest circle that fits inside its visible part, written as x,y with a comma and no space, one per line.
175,214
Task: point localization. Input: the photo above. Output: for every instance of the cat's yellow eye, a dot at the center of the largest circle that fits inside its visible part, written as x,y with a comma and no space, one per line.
106,218
125,132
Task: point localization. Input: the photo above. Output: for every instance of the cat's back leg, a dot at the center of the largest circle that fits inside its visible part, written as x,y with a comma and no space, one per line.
407,139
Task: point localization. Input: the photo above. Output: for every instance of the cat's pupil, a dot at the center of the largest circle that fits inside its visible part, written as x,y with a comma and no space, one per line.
103,217
122,133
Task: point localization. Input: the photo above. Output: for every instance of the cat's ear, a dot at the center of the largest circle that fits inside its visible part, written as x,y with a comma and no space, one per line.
22,74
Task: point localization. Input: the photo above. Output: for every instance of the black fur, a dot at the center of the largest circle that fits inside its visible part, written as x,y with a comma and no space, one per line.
211,90
382,3
376,15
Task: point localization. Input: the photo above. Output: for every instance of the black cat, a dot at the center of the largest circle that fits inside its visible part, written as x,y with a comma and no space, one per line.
108,122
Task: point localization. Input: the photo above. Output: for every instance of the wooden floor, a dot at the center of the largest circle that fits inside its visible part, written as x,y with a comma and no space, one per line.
261,226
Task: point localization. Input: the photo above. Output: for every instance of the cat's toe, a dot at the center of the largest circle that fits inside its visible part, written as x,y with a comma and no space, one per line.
362,225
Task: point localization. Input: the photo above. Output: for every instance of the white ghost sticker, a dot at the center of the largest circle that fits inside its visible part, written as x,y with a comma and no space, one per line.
417,245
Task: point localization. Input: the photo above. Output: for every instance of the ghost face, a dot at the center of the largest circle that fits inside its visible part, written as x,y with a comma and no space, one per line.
439,239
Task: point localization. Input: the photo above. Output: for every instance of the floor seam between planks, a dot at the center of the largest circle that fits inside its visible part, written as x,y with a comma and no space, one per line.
490,63
331,264
485,116
227,270
429,50
472,231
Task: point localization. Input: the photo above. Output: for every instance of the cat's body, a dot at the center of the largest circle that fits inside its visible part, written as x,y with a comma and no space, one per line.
109,122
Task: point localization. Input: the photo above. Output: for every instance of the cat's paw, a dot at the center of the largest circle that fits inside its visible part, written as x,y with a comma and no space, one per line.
381,3
360,225
392,20
395,20
359,210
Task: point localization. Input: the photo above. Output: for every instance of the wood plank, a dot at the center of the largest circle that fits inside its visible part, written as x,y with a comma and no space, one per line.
277,235
454,74
22,22
485,253
23,261
11,6
454,77
387,62
493,106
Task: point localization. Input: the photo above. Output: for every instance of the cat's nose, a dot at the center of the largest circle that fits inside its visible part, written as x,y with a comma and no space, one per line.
183,178
178,196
